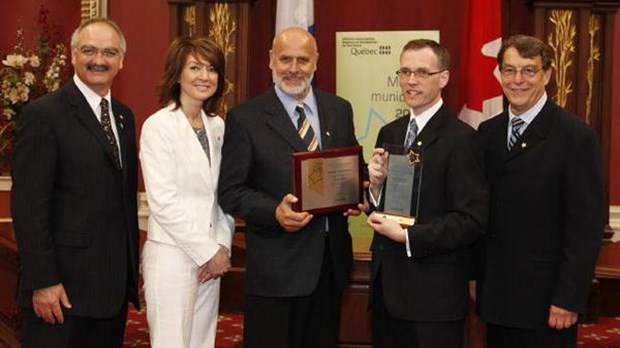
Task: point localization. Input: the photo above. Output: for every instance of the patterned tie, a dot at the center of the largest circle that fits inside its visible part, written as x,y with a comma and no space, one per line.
517,123
412,133
305,129
107,130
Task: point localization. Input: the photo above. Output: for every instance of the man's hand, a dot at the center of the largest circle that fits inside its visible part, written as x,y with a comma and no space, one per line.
216,267
388,228
377,170
289,219
46,303
560,318
361,207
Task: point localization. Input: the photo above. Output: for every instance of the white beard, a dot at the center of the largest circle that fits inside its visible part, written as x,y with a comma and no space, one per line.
293,91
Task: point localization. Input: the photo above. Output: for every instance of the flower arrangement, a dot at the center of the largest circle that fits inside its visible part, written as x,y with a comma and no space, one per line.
26,74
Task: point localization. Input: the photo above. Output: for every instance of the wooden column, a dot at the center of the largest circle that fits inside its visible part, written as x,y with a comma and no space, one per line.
355,331
227,23
10,319
581,34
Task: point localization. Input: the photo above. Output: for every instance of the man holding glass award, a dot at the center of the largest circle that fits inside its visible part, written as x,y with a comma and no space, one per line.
429,197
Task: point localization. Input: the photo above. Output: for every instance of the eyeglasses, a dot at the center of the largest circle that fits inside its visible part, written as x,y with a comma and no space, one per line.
405,74
526,71
91,51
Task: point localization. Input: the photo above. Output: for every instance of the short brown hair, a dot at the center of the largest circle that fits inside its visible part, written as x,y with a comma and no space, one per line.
169,89
443,56
528,47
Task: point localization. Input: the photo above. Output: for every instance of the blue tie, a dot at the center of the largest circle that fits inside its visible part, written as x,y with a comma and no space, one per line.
517,124
412,133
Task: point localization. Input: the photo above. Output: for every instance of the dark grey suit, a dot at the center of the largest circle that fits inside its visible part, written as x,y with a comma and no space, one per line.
255,176
547,218
75,214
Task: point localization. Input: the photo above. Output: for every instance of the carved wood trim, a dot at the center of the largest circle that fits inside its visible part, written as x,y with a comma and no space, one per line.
581,32
93,8
227,23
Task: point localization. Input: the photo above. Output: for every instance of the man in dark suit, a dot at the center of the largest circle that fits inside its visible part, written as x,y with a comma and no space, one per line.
73,202
297,263
419,285
547,208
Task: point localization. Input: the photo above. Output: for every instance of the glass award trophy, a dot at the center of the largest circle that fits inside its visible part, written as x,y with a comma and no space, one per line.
402,185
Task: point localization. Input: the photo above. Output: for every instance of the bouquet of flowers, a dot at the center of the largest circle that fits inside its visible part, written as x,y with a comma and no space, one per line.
26,75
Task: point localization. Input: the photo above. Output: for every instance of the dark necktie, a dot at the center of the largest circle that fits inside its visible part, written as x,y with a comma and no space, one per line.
517,123
109,134
412,133
305,129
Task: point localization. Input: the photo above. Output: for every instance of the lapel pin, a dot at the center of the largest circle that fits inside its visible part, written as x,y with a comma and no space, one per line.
419,143
524,145
327,133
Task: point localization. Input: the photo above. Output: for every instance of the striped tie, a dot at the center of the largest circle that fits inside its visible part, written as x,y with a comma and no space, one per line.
517,124
412,133
305,129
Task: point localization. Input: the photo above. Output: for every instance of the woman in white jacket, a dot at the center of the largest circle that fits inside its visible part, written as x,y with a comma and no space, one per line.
189,237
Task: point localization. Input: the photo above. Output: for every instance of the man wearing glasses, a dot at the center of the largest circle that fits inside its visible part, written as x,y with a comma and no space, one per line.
546,210
420,273
73,202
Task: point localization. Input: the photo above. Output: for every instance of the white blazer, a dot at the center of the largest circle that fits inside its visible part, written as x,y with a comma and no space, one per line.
181,186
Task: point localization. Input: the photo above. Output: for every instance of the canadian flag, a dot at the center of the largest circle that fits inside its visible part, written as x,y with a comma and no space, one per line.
480,90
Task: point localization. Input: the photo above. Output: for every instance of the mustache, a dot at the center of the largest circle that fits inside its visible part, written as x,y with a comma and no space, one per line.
294,76
98,67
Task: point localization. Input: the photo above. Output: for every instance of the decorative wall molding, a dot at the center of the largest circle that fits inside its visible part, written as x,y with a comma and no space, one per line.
93,8
227,23
614,221
562,41
5,183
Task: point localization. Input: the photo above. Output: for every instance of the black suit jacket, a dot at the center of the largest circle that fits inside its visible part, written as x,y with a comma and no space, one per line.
74,213
547,218
255,176
452,212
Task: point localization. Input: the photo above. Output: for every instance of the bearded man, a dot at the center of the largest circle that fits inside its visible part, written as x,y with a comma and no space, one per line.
297,264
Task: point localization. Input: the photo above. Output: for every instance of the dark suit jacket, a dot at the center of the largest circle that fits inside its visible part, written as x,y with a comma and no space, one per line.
254,177
75,214
432,284
547,218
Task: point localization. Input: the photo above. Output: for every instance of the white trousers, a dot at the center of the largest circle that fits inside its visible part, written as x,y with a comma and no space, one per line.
181,311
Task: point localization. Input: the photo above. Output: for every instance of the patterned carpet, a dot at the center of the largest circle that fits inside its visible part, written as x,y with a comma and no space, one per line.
229,330
604,334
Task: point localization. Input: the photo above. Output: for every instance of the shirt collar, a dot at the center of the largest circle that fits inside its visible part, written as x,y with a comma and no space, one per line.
92,98
422,119
529,115
290,103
